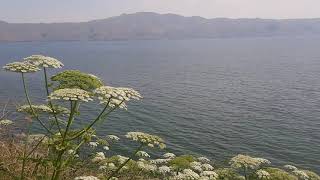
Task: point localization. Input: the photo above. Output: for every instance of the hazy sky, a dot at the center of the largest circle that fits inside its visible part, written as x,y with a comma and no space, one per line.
84,10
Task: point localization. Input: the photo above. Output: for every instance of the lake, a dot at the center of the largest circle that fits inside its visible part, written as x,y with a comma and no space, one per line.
212,97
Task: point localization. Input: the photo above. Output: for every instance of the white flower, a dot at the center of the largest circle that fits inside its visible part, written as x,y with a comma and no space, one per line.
106,148
124,168
43,61
203,160
113,137
290,167
146,167
21,67
99,156
189,171
164,170
116,96
206,167
86,178
160,161
140,164
263,161
70,94
93,144
179,176
37,109
188,174
196,166
110,166
301,174
122,159
241,161
169,155
142,154
210,174
147,139
150,168
103,168
263,174
71,152
5,122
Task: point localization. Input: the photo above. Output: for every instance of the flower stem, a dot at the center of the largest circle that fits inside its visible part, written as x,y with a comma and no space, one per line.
29,102
71,117
49,101
24,158
88,127
75,150
58,164
39,142
97,119
123,164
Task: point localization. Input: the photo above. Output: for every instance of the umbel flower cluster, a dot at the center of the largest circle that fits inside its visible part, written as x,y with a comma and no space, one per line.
6,122
21,67
32,64
43,61
86,178
147,139
36,108
70,94
42,108
301,174
116,96
245,161
262,174
142,154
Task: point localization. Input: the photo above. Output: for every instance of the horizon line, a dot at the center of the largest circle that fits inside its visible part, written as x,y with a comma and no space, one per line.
146,12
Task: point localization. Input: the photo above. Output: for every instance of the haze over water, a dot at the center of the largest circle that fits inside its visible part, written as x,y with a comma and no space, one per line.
217,97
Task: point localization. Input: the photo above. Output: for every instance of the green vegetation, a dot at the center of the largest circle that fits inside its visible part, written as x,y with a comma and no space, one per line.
76,79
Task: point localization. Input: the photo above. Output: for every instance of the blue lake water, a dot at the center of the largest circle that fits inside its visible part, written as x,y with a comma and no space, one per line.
217,97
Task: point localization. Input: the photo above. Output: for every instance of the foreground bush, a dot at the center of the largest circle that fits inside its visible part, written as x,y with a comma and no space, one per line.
58,152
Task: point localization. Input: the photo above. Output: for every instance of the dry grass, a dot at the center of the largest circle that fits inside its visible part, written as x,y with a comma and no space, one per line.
11,163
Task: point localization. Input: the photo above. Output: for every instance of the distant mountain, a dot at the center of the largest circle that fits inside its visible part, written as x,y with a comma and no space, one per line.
147,25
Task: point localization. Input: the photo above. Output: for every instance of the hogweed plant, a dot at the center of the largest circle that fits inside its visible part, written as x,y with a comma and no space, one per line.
57,152
74,88
249,165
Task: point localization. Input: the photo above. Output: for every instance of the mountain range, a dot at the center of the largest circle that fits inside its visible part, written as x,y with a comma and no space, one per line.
148,25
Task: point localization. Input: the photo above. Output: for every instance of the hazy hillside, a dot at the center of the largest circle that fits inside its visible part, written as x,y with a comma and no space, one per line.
157,26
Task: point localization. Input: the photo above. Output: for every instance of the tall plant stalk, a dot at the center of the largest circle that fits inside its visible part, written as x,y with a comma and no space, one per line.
58,163
29,103
87,86
25,156
49,101
101,115
51,106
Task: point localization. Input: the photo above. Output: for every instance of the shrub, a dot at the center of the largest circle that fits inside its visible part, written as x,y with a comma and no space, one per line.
279,174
